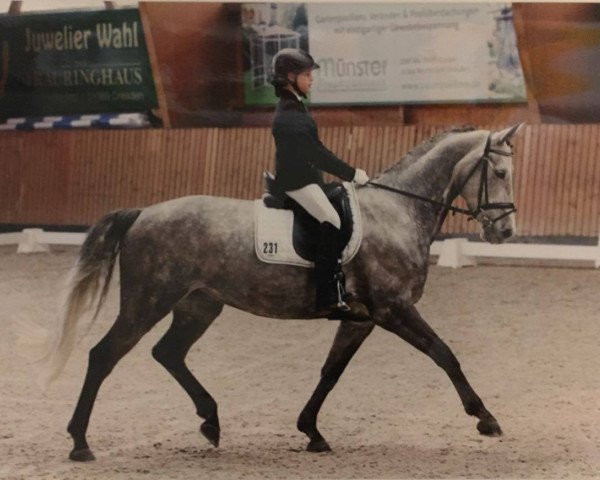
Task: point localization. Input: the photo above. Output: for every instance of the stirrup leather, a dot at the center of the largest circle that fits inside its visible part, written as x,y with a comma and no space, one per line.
340,281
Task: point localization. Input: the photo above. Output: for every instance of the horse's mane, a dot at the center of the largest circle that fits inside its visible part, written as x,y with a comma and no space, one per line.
417,152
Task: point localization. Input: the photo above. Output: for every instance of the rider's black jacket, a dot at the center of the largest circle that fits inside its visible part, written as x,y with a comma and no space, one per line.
300,156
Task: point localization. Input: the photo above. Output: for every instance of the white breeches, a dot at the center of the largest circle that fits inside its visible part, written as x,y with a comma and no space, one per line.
314,201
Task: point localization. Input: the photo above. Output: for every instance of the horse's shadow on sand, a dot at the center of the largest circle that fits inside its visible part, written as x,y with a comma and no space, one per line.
288,459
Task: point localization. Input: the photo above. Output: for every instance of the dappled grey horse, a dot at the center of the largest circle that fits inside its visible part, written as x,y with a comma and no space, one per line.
193,255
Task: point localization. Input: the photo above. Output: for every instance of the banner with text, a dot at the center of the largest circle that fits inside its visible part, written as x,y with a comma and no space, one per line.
391,53
74,63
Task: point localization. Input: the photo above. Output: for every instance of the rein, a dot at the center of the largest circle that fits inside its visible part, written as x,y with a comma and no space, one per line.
483,202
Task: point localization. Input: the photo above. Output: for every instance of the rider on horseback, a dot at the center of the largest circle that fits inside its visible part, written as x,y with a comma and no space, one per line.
300,160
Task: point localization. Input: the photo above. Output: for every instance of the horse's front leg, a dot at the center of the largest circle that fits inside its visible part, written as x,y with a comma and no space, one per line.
407,323
349,338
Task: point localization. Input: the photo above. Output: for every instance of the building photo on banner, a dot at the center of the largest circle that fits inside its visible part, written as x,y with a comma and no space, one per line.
420,180
450,52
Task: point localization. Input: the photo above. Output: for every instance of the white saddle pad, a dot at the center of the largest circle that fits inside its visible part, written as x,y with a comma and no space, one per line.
273,233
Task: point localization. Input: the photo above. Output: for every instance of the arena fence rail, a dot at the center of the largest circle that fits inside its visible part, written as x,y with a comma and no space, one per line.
451,252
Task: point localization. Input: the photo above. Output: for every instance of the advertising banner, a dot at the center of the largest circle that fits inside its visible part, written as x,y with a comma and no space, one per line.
390,53
73,63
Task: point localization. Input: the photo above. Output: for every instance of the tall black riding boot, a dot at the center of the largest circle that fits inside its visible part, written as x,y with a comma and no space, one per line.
331,299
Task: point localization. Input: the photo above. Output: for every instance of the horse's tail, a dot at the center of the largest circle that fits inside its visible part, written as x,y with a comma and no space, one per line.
96,263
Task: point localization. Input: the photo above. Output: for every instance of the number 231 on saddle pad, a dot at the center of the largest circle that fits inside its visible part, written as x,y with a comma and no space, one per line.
286,234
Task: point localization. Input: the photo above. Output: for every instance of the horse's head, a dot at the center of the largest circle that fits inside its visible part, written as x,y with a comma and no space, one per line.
484,179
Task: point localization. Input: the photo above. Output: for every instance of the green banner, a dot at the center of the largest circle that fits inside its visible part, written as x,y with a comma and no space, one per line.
74,63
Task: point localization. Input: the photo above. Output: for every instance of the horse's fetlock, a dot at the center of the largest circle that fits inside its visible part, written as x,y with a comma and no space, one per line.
209,413
474,408
305,423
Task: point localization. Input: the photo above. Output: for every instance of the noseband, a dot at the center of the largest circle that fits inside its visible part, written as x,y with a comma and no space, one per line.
483,202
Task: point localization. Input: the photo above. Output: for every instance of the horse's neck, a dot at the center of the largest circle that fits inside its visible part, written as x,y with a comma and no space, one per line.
430,177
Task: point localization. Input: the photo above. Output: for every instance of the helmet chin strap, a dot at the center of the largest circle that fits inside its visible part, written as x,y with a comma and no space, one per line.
294,85
297,91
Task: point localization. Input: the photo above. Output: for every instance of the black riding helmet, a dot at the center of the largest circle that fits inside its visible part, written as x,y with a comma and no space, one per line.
290,60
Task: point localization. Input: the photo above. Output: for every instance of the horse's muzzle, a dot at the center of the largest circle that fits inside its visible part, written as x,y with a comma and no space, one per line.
492,234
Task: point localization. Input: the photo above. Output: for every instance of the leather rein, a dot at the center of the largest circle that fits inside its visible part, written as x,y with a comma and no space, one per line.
483,202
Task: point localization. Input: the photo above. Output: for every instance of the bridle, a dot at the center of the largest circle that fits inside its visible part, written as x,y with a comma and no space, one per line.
483,201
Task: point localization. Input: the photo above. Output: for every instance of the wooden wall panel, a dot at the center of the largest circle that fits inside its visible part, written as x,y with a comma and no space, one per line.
558,45
74,177
198,55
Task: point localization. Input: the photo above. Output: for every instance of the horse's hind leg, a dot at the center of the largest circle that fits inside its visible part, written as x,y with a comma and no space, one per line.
348,339
407,323
191,318
121,338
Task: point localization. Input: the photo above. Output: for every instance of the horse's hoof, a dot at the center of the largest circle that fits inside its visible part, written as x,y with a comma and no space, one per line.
318,446
82,455
211,432
489,427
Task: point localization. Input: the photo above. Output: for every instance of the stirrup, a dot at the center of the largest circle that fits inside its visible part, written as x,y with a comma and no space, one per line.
353,311
341,292
357,314
343,306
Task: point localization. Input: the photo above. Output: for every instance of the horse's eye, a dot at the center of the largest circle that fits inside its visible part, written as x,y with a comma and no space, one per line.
500,173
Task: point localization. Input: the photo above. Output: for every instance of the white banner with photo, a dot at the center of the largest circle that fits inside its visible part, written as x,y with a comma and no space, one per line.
379,53
388,53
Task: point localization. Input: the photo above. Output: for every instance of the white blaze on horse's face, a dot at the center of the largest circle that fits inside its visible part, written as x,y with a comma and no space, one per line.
496,226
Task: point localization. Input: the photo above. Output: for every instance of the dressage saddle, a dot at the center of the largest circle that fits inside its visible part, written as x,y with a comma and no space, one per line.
305,232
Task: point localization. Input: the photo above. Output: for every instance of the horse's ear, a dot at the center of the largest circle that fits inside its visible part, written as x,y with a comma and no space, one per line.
507,134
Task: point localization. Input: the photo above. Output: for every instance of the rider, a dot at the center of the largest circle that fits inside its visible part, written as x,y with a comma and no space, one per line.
300,159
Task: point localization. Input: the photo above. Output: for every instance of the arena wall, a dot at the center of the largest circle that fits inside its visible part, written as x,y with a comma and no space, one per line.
74,177
199,55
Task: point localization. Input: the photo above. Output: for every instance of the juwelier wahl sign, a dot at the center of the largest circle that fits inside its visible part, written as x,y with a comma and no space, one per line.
73,63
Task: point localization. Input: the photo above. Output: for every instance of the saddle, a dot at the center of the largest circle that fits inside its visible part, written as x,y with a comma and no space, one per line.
277,214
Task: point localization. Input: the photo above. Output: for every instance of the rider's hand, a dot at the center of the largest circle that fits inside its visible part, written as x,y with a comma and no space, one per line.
360,177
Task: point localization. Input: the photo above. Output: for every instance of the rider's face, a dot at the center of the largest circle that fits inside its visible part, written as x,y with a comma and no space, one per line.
304,80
